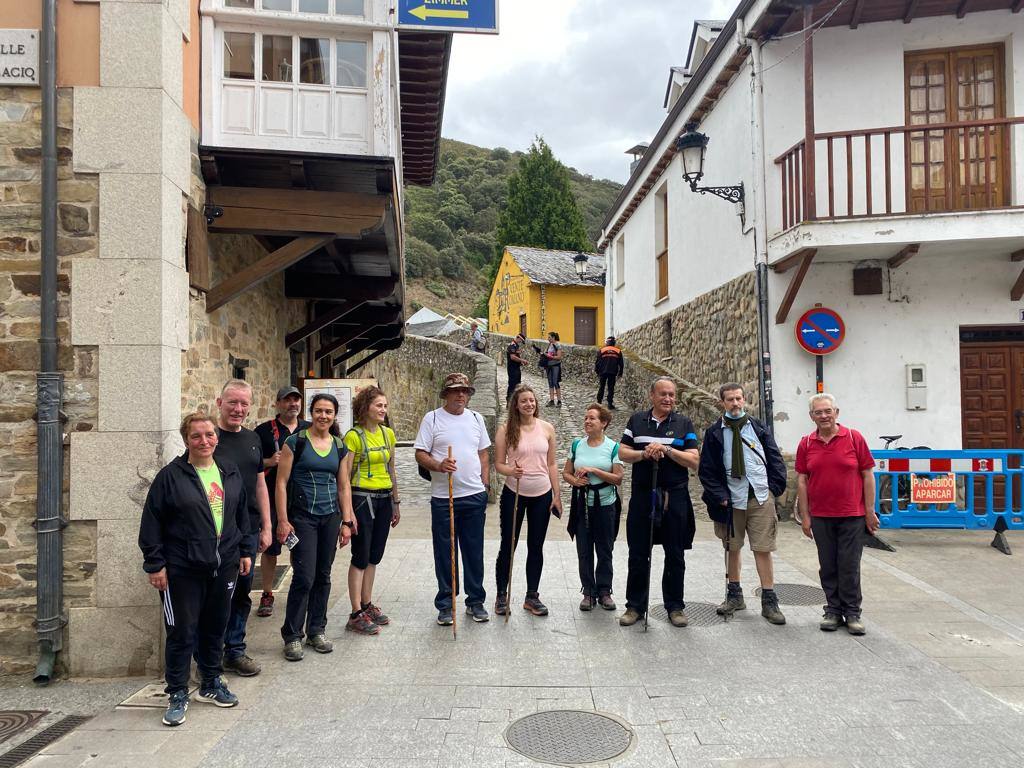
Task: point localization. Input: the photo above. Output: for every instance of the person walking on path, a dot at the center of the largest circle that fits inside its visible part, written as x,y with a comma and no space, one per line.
524,453
195,541
272,435
514,364
477,342
594,469
457,427
609,367
836,503
375,504
242,447
315,506
659,435
742,471
554,370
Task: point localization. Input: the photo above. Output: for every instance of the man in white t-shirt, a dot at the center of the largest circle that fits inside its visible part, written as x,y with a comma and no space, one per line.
456,426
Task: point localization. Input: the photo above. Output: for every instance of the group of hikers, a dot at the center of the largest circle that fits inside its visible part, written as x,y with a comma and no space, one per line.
236,493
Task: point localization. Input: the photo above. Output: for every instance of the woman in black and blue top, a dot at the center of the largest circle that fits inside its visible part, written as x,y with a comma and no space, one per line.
314,501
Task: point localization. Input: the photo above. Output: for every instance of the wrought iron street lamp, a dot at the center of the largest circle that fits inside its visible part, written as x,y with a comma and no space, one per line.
579,261
692,147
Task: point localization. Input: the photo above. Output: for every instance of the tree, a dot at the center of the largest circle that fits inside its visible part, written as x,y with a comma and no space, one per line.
540,210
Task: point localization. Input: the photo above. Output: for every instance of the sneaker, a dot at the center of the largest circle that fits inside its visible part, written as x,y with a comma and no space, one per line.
215,692
478,612
731,604
534,605
376,615
612,408
770,608
854,625
501,605
360,623
444,617
629,618
266,605
243,665
830,622
558,403
550,404
605,601
320,643
587,603
679,618
177,706
293,650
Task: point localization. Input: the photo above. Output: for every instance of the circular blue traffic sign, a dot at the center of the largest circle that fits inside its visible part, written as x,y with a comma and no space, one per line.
820,331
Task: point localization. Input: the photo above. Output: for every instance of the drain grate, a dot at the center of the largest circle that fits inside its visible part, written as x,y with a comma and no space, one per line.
569,737
700,614
798,594
41,740
13,721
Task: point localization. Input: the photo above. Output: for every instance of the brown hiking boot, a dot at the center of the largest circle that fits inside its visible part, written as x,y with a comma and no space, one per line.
679,618
629,618
534,605
243,665
587,603
266,605
501,605
606,602
770,608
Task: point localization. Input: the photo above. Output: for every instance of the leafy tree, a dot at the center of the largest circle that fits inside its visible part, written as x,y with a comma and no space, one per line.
430,229
456,212
421,258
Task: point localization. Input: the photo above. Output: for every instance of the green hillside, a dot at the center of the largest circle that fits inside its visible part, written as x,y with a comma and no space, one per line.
449,227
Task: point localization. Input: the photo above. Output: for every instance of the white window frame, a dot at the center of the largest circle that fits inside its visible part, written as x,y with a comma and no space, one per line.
620,262
270,13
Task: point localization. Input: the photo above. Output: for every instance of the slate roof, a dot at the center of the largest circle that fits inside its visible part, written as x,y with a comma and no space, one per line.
556,267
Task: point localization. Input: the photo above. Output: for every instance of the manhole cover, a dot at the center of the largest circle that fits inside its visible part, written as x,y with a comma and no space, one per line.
14,720
700,614
798,594
568,737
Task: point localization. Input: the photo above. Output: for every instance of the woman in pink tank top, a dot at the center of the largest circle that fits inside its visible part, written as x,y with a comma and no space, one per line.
524,452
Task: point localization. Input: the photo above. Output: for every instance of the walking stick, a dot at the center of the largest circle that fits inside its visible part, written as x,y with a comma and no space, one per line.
512,551
650,539
451,534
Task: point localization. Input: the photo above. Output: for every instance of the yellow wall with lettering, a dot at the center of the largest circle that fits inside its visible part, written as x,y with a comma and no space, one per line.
510,297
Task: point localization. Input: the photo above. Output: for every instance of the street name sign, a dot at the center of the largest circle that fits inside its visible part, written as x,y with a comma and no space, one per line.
19,57
820,331
449,15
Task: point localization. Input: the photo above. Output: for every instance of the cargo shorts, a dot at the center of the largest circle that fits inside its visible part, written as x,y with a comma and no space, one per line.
758,522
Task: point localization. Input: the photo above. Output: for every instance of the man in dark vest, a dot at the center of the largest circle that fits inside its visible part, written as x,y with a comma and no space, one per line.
514,363
609,367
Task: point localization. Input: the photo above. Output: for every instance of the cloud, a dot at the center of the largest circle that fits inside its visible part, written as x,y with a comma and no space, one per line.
587,75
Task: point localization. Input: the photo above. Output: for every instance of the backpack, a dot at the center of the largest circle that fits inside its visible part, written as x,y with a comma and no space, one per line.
388,447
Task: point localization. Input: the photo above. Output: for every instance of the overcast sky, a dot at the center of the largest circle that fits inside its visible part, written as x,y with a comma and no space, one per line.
587,75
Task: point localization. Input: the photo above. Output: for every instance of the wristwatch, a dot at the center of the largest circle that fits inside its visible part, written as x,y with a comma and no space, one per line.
348,523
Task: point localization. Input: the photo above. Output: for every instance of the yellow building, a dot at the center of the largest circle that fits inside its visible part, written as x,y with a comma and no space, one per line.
537,291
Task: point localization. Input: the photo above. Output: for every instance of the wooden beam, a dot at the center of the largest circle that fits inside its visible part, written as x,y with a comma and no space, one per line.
321,321
794,287
268,244
786,264
904,255
908,16
335,344
382,333
858,7
295,211
368,358
1017,255
1018,287
269,265
197,250
307,285
961,10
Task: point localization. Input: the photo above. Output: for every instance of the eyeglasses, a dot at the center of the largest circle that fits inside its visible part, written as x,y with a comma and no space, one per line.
825,412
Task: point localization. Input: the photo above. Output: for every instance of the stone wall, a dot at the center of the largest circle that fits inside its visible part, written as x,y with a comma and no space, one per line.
710,340
77,219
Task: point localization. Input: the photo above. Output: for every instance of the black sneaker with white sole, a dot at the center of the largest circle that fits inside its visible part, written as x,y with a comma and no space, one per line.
177,706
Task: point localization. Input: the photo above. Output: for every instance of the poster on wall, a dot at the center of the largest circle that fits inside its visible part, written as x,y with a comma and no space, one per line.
344,390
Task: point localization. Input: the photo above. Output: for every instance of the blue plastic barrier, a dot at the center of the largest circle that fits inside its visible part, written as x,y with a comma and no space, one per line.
989,489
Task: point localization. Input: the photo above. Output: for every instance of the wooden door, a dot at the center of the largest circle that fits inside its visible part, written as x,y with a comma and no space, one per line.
522,324
585,325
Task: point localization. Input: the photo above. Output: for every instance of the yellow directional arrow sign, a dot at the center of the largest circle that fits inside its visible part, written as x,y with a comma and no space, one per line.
423,13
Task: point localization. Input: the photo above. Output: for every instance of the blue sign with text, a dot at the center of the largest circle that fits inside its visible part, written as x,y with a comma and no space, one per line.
820,331
449,15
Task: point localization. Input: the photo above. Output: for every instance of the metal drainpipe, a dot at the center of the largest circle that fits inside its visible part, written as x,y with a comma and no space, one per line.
49,381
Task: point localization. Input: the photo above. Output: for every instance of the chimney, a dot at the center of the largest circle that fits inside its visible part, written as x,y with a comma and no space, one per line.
638,154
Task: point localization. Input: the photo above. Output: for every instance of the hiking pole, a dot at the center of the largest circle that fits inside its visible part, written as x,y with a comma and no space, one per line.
512,550
451,534
650,539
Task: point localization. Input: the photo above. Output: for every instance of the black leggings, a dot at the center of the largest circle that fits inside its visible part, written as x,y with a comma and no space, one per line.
537,511
373,515
312,559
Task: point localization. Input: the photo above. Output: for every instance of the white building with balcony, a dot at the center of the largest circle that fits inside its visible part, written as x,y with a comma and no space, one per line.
915,236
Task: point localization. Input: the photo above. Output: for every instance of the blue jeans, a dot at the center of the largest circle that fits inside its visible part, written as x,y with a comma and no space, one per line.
470,512
241,604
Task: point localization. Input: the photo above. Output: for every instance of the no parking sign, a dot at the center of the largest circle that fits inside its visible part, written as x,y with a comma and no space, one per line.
820,331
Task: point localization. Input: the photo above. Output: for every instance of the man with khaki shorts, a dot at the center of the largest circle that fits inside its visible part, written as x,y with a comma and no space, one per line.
742,471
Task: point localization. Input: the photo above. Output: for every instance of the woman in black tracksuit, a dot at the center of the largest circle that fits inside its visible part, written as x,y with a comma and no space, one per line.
195,540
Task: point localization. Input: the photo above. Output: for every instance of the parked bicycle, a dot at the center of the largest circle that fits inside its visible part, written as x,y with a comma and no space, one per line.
902,480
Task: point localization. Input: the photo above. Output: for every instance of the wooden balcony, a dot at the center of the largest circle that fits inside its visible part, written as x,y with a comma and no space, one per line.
906,170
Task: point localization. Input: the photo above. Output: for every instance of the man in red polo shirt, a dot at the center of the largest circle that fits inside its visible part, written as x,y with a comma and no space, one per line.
835,503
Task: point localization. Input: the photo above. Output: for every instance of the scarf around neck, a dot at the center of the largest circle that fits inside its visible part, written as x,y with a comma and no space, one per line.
739,468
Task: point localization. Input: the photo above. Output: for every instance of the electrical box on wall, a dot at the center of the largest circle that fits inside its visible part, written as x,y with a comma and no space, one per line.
917,387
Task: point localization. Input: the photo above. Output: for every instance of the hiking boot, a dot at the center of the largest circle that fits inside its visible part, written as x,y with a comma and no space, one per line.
534,605
558,403
770,608
177,706
478,612
550,404
360,623
376,615
266,605
215,692
854,625
830,622
679,618
320,643
587,603
444,617
629,618
293,650
501,605
605,601
243,665
612,408
731,604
